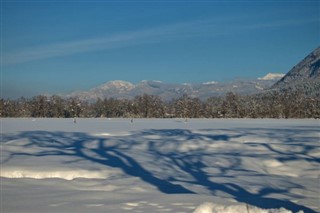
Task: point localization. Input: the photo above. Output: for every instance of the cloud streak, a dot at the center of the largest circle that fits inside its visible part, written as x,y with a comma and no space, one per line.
186,30
151,35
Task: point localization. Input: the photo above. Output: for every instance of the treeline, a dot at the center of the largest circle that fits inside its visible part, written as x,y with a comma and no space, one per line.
267,105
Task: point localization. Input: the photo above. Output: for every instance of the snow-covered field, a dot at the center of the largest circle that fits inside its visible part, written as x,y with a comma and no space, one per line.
159,165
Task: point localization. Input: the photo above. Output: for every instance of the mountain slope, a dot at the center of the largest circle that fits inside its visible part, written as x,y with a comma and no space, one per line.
168,91
304,76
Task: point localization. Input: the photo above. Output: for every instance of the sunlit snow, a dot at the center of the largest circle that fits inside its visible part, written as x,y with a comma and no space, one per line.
160,165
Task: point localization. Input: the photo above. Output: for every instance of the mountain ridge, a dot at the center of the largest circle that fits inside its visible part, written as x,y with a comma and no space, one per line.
120,89
305,76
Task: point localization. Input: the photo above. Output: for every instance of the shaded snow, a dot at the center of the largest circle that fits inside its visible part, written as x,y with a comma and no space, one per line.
160,165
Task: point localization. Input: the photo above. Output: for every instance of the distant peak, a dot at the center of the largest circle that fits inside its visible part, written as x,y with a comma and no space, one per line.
272,76
117,84
148,81
210,83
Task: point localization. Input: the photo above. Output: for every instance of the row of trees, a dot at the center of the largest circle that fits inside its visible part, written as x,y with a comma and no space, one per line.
268,105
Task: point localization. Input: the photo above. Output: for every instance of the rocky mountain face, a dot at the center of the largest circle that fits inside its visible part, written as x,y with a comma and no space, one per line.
305,76
167,91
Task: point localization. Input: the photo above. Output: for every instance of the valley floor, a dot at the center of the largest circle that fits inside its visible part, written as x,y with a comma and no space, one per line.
159,165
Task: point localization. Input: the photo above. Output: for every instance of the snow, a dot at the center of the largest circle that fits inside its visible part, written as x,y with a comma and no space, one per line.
272,76
216,208
258,87
210,83
119,84
160,165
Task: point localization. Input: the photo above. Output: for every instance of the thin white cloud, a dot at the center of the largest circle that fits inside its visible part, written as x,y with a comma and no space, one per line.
72,47
209,27
125,39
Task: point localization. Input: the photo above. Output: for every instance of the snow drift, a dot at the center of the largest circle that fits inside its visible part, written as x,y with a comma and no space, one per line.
217,208
160,165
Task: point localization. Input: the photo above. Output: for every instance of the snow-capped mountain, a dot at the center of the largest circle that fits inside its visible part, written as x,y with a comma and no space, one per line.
122,86
305,76
210,82
169,91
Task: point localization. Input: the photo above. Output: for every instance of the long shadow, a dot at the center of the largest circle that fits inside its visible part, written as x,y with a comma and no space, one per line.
112,157
239,193
191,162
194,165
73,144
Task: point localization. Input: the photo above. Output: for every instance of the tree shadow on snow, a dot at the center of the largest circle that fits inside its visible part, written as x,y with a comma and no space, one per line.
76,145
193,163
177,158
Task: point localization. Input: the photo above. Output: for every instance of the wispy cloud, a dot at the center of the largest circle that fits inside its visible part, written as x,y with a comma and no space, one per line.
125,39
185,30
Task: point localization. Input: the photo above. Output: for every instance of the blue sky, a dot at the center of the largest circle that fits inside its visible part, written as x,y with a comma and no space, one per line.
57,47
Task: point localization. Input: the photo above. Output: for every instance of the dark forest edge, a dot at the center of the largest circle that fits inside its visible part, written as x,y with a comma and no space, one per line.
266,105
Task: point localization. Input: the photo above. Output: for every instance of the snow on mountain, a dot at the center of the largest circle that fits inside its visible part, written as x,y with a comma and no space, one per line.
305,76
118,84
259,87
169,91
272,76
209,83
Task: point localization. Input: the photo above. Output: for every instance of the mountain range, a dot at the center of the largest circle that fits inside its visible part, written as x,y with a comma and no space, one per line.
168,91
305,76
